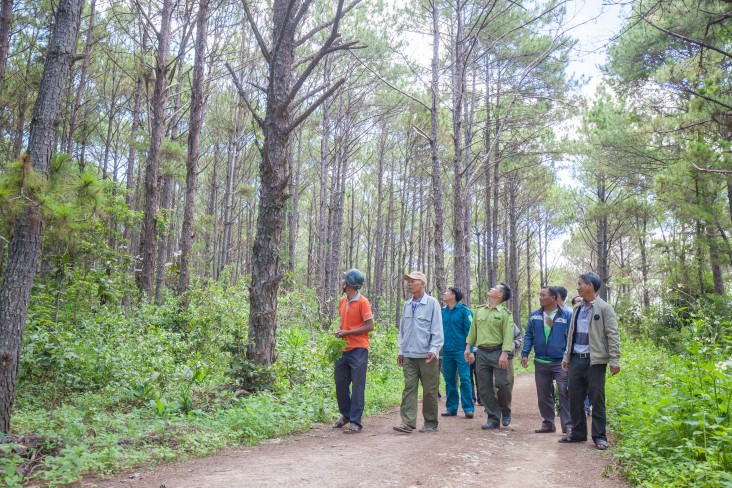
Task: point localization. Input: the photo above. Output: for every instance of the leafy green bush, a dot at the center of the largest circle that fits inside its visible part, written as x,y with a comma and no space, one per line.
672,415
109,392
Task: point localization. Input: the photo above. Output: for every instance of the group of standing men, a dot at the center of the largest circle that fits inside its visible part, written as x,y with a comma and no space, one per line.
572,348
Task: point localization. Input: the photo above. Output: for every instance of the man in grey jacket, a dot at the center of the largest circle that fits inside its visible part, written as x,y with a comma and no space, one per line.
593,343
420,340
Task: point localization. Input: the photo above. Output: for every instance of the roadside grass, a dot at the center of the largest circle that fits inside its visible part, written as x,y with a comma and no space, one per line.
672,416
113,393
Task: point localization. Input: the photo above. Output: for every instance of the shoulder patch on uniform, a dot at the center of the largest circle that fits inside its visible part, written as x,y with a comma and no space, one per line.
597,317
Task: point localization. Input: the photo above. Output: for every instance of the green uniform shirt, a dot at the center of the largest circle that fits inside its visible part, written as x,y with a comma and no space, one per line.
492,326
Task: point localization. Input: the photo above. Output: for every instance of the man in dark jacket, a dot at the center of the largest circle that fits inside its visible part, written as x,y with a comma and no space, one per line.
546,333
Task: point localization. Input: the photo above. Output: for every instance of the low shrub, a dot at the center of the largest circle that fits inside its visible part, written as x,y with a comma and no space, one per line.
110,393
672,415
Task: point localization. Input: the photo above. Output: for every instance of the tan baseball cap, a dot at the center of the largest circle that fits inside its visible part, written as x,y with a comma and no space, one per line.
416,275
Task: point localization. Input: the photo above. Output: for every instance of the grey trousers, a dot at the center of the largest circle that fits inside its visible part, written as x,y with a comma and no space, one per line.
545,375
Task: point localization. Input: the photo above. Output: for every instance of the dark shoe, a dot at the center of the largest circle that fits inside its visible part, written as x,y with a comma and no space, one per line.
448,414
352,429
469,415
601,444
489,425
340,422
569,439
546,428
506,421
428,429
404,428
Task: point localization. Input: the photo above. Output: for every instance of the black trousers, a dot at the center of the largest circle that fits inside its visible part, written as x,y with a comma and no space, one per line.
587,380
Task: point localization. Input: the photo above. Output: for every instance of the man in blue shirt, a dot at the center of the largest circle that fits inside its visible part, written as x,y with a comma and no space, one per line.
456,320
546,334
420,340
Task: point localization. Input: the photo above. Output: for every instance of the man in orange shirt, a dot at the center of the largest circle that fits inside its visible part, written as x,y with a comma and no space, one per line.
350,370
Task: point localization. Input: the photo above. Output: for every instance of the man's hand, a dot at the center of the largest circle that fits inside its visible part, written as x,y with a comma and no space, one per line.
565,365
471,358
339,333
467,353
430,357
503,360
400,360
614,370
524,361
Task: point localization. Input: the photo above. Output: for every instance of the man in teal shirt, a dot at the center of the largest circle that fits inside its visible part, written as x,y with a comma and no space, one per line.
492,333
456,320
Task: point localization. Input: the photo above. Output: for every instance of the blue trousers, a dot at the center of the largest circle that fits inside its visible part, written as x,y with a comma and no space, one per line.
453,365
350,381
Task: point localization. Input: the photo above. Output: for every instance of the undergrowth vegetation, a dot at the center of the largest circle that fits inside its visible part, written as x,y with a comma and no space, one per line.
100,392
671,406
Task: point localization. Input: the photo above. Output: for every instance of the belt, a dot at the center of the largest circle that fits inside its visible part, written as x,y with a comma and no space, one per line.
491,348
581,355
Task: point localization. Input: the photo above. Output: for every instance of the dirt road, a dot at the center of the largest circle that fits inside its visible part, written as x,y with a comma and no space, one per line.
460,454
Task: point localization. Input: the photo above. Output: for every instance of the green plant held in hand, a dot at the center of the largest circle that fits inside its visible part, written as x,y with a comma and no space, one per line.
334,347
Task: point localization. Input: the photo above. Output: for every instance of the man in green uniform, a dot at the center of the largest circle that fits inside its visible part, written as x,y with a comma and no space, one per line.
492,332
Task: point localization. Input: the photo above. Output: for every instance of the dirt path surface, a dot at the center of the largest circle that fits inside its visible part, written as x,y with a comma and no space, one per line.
460,454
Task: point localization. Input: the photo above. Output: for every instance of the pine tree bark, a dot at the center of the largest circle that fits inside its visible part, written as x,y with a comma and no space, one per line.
166,213
212,213
439,228
603,265
194,151
642,239
79,98
6,23
152,169
228,204
25,245
277,125
379,249
322,238
293,220
513,264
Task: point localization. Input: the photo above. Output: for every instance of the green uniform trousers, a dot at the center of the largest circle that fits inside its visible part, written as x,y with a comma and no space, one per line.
416,370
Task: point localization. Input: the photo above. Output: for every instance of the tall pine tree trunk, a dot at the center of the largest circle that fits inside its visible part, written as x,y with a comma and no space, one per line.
25,246
79,98
194,150
277,125
603,266
439,228
379,249
322,238
160,95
